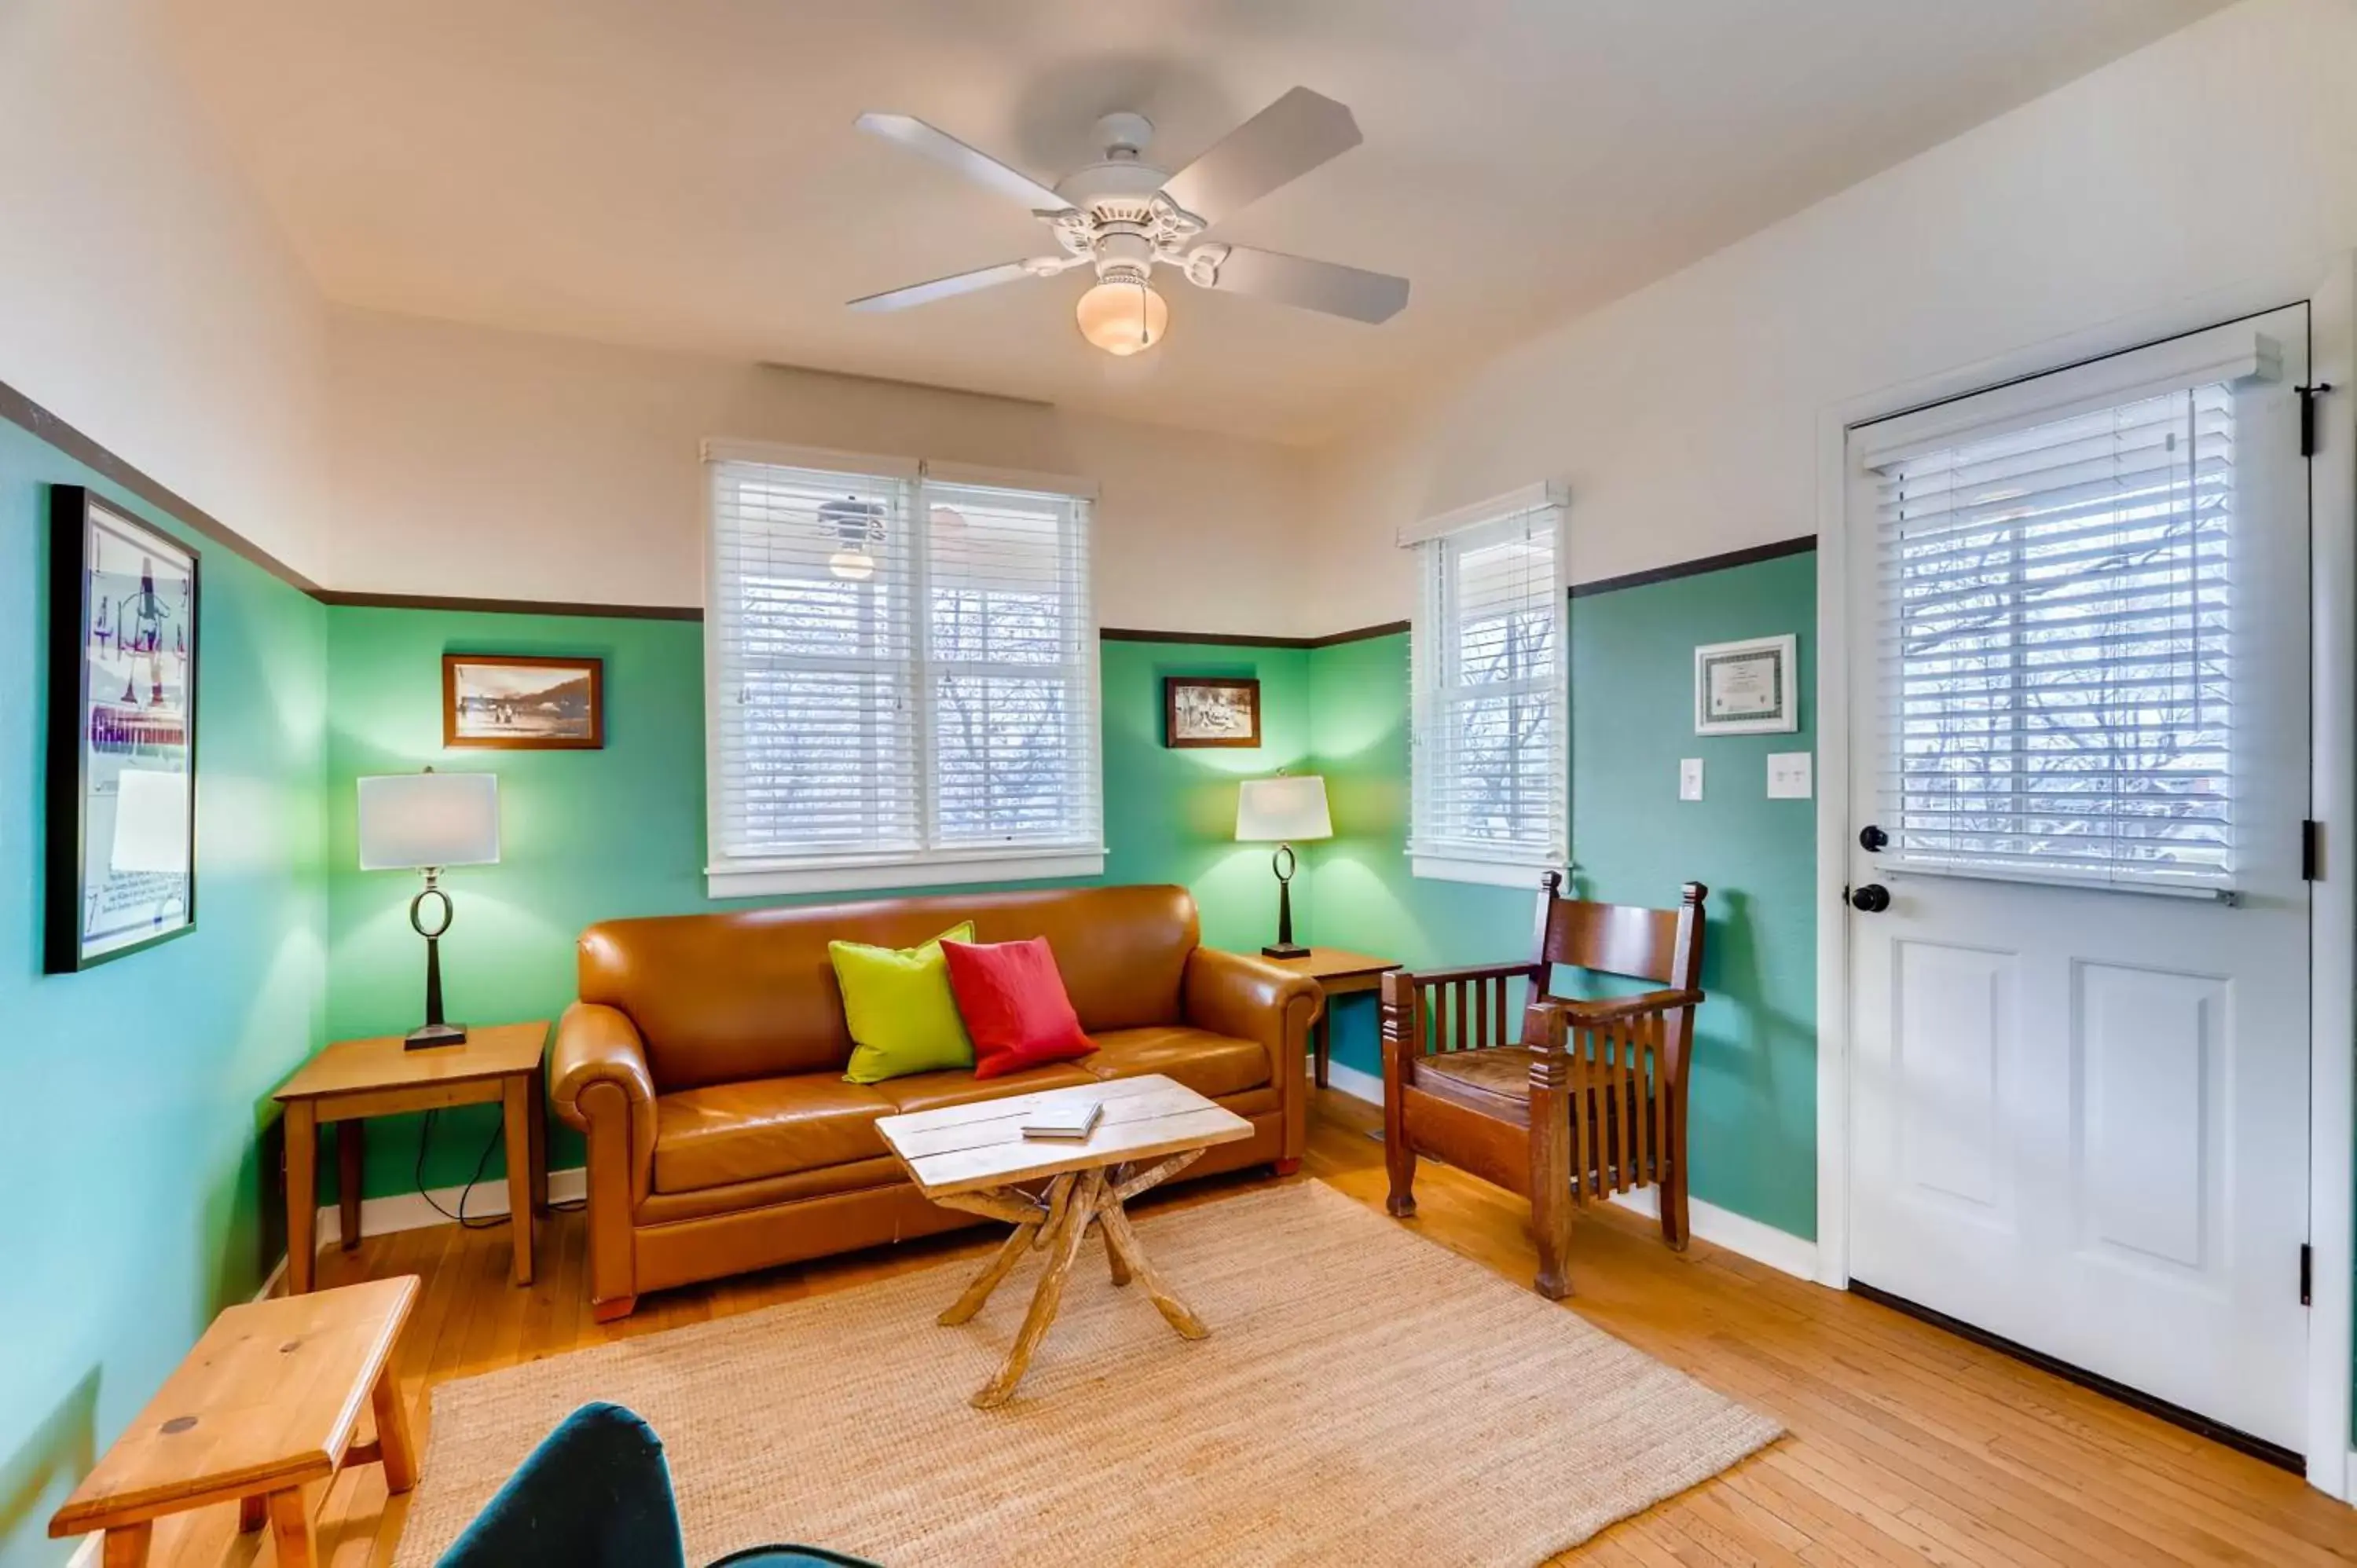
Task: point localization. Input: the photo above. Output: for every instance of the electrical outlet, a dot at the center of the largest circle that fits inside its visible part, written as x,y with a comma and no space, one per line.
1789,776
1690,778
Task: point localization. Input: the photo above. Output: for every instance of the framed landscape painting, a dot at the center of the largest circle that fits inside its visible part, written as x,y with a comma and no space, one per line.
121,734
509,703
1203,711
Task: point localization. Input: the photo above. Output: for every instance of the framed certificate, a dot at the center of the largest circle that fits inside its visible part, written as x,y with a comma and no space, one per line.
1748,688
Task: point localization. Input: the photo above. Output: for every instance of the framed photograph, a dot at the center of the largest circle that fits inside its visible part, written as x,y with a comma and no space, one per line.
1205,711
122,795
507,702
1748,688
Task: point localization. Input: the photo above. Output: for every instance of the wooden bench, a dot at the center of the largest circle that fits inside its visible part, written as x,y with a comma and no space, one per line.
266,1403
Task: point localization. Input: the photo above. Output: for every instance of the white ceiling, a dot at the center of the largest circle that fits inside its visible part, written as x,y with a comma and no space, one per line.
685,174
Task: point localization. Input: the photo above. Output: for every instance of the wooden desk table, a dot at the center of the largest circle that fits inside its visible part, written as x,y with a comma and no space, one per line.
266,1403
1337,974
499,1064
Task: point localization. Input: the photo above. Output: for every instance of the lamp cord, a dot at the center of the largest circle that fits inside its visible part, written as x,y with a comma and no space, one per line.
482,1163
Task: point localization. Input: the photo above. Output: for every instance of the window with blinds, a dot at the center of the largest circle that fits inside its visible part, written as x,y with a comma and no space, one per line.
2057,610
902,664
1490,712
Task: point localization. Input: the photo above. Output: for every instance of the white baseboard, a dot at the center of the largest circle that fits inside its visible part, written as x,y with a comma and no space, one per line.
1350,1081
411,1211
1779,1249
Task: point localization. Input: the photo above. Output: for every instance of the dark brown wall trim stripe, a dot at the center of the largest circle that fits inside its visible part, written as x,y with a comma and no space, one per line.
20,409
505,606
1245,640
1696,568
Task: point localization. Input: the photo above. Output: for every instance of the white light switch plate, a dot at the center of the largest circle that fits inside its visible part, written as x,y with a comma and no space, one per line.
1789,775
1690,778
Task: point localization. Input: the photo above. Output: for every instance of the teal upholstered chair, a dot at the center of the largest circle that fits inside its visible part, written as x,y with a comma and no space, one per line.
596,1494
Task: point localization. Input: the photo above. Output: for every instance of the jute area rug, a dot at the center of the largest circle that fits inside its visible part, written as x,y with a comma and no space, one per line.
1366,1397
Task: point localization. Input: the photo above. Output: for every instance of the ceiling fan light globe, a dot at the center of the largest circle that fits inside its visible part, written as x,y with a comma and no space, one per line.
1123,319
852,566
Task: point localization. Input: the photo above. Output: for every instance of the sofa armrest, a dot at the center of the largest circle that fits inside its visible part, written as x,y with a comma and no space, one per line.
1253,999
598,1076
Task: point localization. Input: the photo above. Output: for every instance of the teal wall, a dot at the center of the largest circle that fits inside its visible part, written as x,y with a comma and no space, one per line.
1633,842
137,1091
595,835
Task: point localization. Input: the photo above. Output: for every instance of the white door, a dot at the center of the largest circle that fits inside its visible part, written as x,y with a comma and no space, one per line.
2079,939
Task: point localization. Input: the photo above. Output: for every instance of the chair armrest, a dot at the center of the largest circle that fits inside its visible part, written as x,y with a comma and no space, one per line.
1253,999
1576,1012
598,1074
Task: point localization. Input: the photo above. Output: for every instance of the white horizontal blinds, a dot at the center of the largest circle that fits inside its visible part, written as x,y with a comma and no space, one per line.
1011,662
2057,604
813,647
1491,779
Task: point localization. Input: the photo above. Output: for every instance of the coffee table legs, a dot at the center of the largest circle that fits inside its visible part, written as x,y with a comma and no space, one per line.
1060,1223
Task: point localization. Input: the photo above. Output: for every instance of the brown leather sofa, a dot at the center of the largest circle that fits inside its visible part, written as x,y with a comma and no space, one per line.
705,1062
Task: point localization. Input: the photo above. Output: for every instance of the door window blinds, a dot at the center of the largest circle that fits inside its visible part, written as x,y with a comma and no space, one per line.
903,676
1491,777
2057,610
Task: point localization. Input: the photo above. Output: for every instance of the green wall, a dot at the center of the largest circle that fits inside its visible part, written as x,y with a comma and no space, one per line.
1633,842
137,1091
591,836
621,831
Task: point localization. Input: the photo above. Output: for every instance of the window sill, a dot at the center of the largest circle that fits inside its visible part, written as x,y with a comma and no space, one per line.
1522,874
756,880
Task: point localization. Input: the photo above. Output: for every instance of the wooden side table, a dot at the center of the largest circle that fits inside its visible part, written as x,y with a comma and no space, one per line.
353,1079
268,1402
1337,974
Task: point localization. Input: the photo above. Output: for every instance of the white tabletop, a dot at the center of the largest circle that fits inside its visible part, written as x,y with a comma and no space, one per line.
964,1148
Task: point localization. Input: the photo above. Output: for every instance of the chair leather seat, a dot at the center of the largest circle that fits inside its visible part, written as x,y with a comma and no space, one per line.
764,1127
1502,1072
1213,1065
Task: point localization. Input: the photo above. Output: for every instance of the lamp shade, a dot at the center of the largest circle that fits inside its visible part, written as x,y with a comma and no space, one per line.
411,820
1289,808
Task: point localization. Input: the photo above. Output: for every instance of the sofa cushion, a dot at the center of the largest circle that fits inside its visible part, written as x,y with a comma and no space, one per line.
1014,1005
1211,1065
765,1127
931,1090
898,1005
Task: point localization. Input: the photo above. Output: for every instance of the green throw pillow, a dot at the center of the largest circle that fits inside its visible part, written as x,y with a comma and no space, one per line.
896,1000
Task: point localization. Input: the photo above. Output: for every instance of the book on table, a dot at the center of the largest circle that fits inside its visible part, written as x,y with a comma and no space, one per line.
1063,1123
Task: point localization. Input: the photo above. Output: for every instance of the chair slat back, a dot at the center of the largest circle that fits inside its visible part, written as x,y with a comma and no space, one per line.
1664,945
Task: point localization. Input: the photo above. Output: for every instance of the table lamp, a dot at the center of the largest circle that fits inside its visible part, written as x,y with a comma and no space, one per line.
1283,808
428,822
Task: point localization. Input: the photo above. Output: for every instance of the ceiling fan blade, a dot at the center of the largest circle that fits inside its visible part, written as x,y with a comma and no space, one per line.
909,132
1280,144
943,288
1328,286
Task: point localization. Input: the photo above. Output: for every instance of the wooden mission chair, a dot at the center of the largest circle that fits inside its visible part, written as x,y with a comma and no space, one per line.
1586,1099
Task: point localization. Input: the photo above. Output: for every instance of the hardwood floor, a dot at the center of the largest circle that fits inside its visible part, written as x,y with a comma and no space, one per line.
1905,1445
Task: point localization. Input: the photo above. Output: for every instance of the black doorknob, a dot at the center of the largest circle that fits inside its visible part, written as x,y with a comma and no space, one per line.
1871,839
1871,898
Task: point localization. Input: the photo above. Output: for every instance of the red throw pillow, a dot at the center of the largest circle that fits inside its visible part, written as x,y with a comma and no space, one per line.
1014,1006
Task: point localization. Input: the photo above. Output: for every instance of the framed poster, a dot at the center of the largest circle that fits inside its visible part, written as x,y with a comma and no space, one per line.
1748,688
1203,711
507,702
122,733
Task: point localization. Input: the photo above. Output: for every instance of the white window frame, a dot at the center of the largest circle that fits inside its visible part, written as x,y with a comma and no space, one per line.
930,865
1455,861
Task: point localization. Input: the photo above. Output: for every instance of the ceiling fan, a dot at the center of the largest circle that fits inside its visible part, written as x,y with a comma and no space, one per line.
1124,217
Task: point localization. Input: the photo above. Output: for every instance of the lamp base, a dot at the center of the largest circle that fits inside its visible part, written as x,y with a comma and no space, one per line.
432,1035
1284,949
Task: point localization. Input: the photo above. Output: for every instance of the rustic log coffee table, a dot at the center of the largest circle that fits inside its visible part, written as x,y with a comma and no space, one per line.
975,1158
